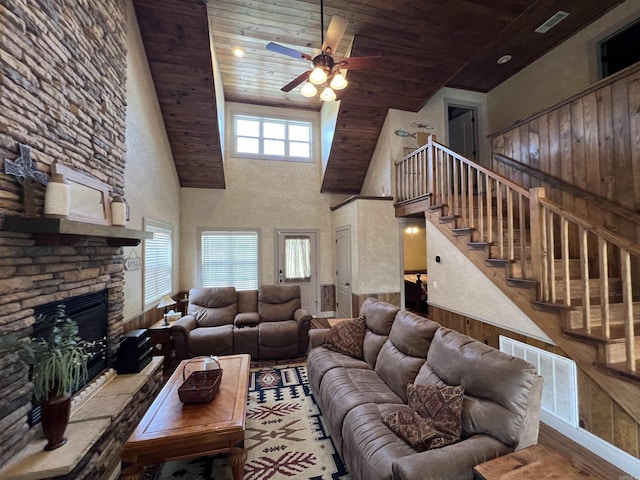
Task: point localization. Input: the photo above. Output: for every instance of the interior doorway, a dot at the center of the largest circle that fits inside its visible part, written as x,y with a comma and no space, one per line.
462,123
343,271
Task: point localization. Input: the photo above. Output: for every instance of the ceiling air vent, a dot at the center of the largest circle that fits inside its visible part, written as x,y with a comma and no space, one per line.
555,19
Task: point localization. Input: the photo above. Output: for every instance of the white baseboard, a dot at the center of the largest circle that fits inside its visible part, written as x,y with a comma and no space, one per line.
604,450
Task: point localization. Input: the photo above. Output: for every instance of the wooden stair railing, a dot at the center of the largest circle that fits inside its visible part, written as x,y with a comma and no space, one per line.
583,275
610,265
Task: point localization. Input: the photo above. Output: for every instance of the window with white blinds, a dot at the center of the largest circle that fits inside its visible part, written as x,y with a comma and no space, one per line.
158,261
229,259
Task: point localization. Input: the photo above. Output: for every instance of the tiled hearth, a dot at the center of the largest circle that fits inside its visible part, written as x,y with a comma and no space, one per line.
104,415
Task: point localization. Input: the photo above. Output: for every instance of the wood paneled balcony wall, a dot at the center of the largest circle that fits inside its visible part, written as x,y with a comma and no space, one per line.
557,264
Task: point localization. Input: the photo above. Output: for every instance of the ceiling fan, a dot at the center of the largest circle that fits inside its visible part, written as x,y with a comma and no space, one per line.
326,70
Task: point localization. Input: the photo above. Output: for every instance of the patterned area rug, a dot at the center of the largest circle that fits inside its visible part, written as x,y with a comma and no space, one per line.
285,435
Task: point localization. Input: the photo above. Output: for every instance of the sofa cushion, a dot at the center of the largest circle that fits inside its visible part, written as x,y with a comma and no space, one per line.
416,430
321,360
211,340
347,337
405,351
369,446
247,301
212,307
379,317
495,403
277,303
278,334
440,406
344,388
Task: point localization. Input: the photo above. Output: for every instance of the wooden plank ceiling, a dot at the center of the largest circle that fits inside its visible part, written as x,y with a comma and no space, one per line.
424,45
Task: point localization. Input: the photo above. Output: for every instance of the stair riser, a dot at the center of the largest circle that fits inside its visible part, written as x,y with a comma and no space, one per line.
616,352
573,318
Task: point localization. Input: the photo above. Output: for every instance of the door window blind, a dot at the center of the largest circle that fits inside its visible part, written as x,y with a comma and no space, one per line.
158,261
230,259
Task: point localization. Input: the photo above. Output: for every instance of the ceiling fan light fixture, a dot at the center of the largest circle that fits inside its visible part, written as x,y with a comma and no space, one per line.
338,82
308,90
328,95
318,76
238,52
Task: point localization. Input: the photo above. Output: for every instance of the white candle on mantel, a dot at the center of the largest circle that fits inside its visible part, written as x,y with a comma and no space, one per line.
57,197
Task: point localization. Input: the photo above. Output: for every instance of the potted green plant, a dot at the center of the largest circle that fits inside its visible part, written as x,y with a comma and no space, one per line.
59,362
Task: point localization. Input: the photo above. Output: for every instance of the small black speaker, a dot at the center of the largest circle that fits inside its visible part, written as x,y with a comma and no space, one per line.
134,352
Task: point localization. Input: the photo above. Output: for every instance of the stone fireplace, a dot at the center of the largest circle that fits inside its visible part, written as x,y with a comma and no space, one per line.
90,311
62,92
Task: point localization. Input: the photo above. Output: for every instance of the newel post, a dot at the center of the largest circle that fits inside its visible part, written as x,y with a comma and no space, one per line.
431,167
538,244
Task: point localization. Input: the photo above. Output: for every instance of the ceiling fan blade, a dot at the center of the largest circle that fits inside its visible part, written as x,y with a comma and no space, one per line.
335,32
296,81
358,63
276,47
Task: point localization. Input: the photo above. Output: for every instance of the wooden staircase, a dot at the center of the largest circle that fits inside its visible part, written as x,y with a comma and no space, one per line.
578,282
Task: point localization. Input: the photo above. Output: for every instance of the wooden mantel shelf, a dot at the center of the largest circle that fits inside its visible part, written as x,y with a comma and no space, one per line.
61,231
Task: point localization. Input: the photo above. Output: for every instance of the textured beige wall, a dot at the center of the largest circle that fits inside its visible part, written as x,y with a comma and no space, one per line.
391,147
455,284
375,245
561,73
151,184
264,195
379,256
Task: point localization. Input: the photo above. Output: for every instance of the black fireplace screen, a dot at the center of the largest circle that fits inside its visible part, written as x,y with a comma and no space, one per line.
91,313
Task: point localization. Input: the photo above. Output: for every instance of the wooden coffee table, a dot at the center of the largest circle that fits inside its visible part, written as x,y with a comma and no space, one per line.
531,463
171,430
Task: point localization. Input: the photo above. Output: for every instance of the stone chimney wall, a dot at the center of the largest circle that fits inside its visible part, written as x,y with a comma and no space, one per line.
62,92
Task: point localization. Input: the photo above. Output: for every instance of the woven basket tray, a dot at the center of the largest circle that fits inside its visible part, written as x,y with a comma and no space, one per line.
201,386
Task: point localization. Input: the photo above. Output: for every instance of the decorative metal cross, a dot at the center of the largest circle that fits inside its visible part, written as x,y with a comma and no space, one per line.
25,171
23,168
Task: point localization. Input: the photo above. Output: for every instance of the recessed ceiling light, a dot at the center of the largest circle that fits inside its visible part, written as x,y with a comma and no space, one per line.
238,52
504,59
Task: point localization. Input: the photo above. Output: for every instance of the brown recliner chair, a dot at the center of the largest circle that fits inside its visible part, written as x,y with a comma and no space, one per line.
284,325
267,324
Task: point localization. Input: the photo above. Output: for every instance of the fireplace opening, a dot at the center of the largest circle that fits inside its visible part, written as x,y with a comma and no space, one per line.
90,312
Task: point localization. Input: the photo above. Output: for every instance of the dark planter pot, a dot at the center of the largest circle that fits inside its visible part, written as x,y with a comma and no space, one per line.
55,418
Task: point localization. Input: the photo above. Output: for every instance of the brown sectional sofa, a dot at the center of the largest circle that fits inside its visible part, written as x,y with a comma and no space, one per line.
501,406
268,323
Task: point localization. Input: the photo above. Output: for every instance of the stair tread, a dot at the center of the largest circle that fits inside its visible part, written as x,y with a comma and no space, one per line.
555,306
621,367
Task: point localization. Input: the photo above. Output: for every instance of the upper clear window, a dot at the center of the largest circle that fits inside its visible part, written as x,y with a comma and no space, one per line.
620,50
272,138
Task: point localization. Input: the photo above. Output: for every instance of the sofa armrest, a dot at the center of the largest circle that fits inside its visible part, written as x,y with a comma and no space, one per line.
317,336
453,461
303,319
180,331
301,316
247,319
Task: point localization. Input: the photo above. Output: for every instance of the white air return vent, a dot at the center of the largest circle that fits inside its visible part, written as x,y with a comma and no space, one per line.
560,390
555,19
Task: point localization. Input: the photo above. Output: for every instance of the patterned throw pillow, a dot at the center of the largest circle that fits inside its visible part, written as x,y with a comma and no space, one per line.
415,430
347,337
440,406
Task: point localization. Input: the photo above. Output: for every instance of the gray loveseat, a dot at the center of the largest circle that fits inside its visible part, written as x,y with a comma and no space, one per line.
267,323
500,410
